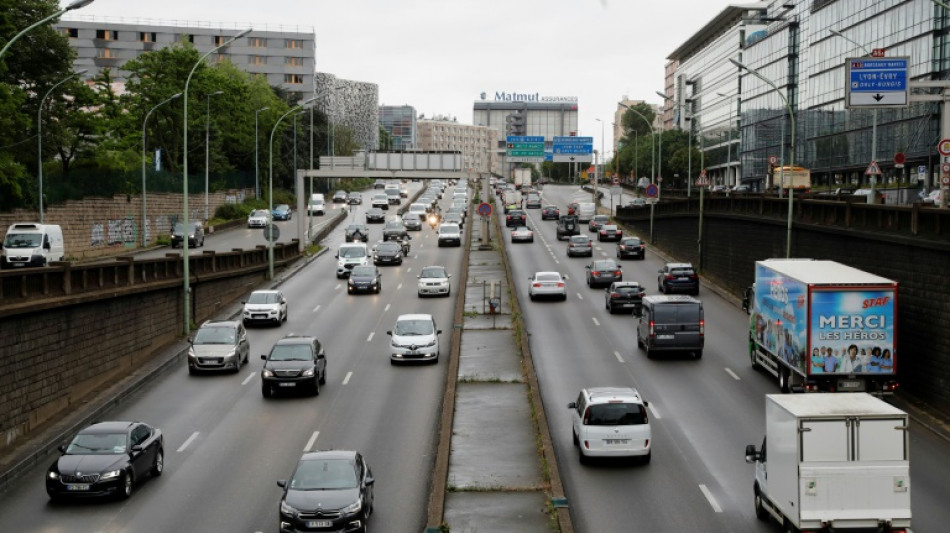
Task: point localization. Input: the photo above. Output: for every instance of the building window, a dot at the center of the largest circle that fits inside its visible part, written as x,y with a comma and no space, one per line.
107,35
256,60
293,43
147,36
293,61
186,37
105,53
293,79
218,40
71,32
257,42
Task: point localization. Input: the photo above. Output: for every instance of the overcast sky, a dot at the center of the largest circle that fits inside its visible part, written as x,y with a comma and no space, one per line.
439,55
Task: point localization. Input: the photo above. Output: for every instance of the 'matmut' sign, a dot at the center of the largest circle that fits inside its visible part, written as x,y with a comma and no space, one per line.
503,96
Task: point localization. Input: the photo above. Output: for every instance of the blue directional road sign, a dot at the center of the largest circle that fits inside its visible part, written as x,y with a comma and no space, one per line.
876,82
525,149
572,149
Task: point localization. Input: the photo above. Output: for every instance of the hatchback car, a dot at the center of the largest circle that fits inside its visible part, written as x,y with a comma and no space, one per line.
375,215
550,212
678,277
414,338
328,491
603,272
533,201
354,198
365,279
412,222
516,217
196,234
611,422
296,362
387,253
624,296
106,459
356,233
631,247
282,212
596,222
522,234
580,245
609,232
433,281
265,306
547,285
258,218
339,197
218,345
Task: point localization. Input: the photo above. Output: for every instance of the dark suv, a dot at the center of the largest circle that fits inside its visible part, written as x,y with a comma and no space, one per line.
678,277
295,362
567,226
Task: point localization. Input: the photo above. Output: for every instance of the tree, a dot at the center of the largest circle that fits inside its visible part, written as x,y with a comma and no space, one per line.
631,122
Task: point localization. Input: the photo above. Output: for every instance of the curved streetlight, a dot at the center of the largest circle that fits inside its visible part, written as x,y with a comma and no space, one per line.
652,161
791,157
75,5
186,299
689,145
144,122
39,131
257,187
208,145
270,193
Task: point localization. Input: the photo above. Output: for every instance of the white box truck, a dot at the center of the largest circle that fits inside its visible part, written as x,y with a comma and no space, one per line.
833,462
30,244
522,177
821,325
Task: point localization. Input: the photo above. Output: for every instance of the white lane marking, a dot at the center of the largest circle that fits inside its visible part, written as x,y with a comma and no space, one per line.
596,322
654,412
386,308
580,296
347,378
408,270
709,496
370,338
315,309
398,286
248,378
731,373
603,254
617,355
338,285
310,443
188,441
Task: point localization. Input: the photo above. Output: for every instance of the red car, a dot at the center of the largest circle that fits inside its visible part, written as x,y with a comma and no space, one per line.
572,208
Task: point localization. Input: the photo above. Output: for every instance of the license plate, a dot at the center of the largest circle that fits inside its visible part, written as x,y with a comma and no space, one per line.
664,337
77,487
850,384
259,316
611,442
319,523
287,384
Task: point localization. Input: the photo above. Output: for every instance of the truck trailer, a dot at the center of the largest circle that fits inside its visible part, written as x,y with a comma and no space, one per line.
833,462
521,177
821,325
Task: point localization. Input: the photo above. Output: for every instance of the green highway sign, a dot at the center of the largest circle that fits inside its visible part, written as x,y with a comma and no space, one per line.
525,149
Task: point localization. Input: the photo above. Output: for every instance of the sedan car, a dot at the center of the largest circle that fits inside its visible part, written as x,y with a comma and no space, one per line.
547,285
522,234
282,212
265,306
365,279
107,459
296,362
328,491
550,212
631,247
388,253
609,232
258,218
354,198
603,272
218,345
624,296
580,245
433,281
375,215
412,222
678,277
356,232
516,217
533,201
339,197
596,222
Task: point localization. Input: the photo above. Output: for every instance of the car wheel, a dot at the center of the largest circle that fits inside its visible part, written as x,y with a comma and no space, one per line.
580,455
128,485
760,512
639,342
698,354
323,376
648,351
159,466
574,436
530,296
192,371
316,386
783,379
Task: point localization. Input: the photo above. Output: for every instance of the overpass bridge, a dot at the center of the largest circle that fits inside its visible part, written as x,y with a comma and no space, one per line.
393,165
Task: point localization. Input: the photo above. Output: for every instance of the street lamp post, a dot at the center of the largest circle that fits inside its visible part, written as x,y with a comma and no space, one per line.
603,158
729,145
76,4
652,161
689,144
208,146
186,298
144,204
257,186
39,132
791,158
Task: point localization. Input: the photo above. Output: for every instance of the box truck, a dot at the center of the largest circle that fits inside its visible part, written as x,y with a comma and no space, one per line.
821,325
833,462
522,177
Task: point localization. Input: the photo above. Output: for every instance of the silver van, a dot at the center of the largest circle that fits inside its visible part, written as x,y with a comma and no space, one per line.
671,323
586,211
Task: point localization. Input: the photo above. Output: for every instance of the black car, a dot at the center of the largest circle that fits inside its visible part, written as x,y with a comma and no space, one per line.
107,459
623,296
328,491
375,215
387,253
603,272
295,362
395,230
550,212
631,247
567,226
366,278
356,232
678,277
516,217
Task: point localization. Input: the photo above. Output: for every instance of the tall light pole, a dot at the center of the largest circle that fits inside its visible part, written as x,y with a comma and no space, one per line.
186,298
257,186
39,132
652,139
689,144
603,157
208,145
791,158
729,145
270,193
76,4
144,122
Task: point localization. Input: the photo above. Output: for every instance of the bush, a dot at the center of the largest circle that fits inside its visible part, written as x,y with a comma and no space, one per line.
232,211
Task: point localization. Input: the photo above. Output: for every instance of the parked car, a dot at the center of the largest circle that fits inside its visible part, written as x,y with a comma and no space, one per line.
196,234
433,281
631,247
522,234
265,306
218,345
547,285
106,459
624,296
567,226
516,217
328,491
596,222
611,422
678,277
365,278
258,218
550,212
354,198
339,197
609,232
580,245
603,272
282,212
415,337
388,253
375,215
356,232
296,362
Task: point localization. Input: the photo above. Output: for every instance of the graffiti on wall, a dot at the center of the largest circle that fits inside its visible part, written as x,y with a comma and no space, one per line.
114,232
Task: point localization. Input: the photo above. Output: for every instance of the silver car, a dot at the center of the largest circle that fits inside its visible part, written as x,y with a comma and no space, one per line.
547,285
258,218
522,234
434,280
265,306
414,338
218,345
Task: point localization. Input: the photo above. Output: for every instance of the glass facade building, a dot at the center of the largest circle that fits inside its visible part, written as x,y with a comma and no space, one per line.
400,122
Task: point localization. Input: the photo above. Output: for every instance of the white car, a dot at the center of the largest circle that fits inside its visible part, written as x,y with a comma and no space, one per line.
611,422
450,234
522,234
414,338
433,281
258,218
265,306
547,285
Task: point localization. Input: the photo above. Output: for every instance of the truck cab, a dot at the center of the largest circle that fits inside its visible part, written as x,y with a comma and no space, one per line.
29,244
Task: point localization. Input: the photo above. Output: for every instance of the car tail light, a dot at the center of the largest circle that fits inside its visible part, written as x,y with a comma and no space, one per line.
594,272
536,285
603,232
508,217
588,244
617,273
652,330
560,284
702,327
891,386
694,276
647,441
586,416
614,296
670,276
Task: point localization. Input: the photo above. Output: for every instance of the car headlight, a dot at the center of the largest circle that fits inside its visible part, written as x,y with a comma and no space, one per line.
286,509
231,354
267,373
353,508
432,343
350,282
191,353
110,475
308,373
52,474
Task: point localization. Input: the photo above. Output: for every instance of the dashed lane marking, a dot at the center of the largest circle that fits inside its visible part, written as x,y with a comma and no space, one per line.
188,441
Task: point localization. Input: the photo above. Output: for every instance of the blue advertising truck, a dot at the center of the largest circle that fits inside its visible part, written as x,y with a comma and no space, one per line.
823,326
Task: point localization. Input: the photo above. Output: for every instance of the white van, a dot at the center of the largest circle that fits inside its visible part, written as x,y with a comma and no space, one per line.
611,422
349,255
586,211
30,244
317,204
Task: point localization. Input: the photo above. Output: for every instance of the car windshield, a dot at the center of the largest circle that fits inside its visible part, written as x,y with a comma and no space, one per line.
353,229
97,444
677,313
615,414
388,247
353,251
22,240
601,218
579,239
215,335
363,272
547,277
627,289
290,352
324,474
263,298
259,213
432,272
394,225
414,327
282,207
631,242
681,271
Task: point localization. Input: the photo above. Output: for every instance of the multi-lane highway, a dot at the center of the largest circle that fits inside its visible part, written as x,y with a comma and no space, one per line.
226,446
704,411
